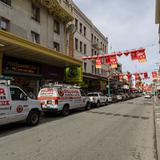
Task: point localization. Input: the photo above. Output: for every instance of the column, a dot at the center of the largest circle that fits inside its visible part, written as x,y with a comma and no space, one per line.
1,60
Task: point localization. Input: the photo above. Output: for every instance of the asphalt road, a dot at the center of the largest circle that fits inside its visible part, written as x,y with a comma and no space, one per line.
121,131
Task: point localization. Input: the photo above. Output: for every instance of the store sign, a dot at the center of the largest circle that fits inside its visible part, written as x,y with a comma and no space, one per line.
73,74
22,68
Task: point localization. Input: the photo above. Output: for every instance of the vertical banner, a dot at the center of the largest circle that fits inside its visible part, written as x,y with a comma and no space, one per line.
98,62
154,74
73,74
108,61
145,75
133,55
141,56
120,77
113,61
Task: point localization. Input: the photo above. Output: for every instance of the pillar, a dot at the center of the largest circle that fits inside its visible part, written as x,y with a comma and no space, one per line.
1,60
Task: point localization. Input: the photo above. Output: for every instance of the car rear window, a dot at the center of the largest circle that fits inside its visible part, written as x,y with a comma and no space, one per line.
92,94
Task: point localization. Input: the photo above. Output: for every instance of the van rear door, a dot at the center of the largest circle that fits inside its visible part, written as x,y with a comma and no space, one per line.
4,105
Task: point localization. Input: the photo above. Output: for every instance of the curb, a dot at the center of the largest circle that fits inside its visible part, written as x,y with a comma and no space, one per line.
156,117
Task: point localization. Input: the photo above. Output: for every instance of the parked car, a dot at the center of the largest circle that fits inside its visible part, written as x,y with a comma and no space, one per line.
97,98
17,106
110,99
119,97
148,96
114,98
62,98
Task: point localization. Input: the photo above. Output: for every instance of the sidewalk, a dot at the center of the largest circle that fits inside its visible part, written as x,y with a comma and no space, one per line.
157,125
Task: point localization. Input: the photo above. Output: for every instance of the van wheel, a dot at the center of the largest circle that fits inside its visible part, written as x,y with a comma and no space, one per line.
33,118
65,111
88,106
98,104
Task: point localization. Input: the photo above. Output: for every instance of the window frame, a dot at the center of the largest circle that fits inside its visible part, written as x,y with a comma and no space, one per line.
57,48
81,46
36,38
35,16
7,24
56,26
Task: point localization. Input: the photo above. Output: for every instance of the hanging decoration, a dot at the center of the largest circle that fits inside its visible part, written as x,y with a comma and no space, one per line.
154,74
134,55
108,61
98,62
141,55
145,75
113,61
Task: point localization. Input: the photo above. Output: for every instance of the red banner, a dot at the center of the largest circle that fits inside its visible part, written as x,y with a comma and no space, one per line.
141,55
98,62
134,55
108,61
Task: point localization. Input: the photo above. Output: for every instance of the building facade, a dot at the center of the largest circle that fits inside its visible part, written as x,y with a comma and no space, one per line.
89,41
35,44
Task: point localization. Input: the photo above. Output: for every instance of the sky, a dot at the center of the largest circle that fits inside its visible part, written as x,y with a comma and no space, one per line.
128,24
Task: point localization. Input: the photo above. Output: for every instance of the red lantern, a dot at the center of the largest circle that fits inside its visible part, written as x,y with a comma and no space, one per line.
98,62
126,53
119,54
94,57
89,57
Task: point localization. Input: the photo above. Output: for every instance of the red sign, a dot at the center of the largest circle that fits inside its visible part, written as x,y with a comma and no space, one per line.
108,61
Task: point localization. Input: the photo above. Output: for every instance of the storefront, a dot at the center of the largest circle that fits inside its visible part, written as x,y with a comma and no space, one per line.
31,65
26,74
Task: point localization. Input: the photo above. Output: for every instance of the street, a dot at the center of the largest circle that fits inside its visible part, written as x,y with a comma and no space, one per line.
120,131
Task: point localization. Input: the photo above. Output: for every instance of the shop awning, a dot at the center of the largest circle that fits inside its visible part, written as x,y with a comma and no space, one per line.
157,11
15,46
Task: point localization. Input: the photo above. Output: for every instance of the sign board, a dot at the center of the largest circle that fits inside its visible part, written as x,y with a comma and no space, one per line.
73,74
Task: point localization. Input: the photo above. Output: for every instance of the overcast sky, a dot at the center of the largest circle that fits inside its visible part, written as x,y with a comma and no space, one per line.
128,24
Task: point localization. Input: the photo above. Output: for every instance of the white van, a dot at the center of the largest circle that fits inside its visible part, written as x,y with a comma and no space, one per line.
15,106
62,98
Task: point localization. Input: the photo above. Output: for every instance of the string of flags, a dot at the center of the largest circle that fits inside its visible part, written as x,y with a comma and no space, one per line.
138,76
111,59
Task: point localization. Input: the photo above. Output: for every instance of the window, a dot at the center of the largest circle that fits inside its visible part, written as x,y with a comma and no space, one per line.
35,37
4,24
95,53
85,48
85,66
56,27
56,46
92,52
80,28
85,31
76,43
76,24
91,37
93,69
80,46
8,2
35,13
94,39
17,94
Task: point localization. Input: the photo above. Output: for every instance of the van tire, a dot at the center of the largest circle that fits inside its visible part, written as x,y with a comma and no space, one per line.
33,118
65,110
88,106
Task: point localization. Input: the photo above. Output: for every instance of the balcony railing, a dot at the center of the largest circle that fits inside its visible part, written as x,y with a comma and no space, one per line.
61,8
